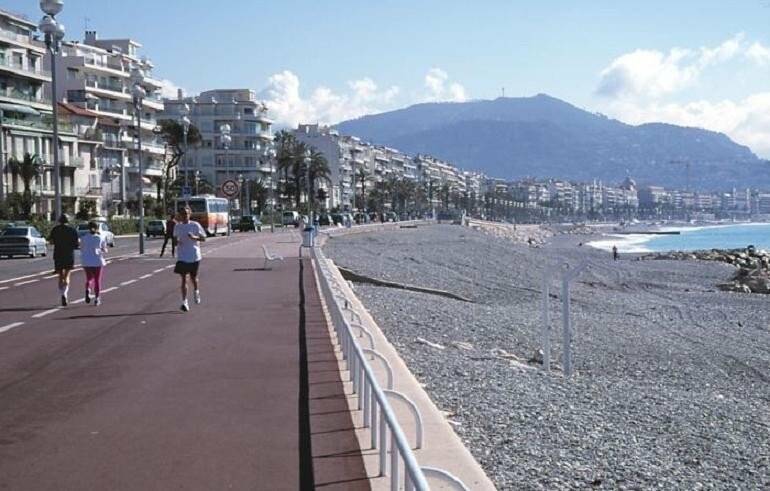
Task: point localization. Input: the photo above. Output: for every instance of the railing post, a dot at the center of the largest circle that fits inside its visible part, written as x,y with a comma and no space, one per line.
383,445
393,462
546,322
373,425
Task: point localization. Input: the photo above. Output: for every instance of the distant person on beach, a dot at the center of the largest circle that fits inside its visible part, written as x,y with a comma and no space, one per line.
92,249
65,240
615,253
169,236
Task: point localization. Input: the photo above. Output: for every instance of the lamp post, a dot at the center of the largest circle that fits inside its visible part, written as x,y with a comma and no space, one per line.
54,33
197,180
271,157
241,180
184,111
224,132
138,93
309,188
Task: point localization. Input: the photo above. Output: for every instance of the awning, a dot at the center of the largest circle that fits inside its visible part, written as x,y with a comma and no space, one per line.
5,106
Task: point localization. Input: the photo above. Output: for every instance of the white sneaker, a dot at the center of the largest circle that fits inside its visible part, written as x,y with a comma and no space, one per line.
185,306
197,296
98,301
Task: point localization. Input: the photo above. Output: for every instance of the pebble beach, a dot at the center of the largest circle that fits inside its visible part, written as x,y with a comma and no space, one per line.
672,376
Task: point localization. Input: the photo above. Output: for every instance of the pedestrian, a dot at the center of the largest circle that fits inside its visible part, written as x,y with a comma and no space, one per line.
92,249
65,240
169,235
615,253
189,234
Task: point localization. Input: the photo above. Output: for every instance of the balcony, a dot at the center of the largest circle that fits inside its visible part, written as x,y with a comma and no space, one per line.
40,124
25,40
19,68
24,97
93,62
113,87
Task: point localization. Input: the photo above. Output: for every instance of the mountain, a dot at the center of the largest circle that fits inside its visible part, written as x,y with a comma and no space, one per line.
542,136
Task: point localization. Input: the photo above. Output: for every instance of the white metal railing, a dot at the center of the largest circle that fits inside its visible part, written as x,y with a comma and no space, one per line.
378,414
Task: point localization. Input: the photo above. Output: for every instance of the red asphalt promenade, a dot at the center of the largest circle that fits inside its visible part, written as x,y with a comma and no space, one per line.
135,394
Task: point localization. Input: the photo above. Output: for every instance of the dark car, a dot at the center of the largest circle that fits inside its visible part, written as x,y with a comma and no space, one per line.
249,223
337,218
390,216
324,219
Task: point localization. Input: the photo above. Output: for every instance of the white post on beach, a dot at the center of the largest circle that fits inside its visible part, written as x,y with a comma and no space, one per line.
568,276
546,322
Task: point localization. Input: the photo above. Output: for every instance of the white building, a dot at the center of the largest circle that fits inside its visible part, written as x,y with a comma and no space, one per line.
246,156
96,75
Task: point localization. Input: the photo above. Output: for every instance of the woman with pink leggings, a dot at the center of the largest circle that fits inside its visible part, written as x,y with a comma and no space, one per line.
92,250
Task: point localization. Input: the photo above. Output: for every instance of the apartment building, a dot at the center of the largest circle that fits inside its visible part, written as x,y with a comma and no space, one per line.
26,121
246,156
97,75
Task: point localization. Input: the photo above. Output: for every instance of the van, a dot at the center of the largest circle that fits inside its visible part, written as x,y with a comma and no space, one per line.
290,218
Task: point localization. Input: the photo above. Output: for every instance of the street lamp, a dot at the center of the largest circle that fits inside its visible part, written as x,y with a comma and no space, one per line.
54,33
138,93
184,111
224,136
197,180
241,180
309,187
271,155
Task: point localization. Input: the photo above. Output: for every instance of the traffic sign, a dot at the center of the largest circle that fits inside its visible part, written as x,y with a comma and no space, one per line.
186,191
230,188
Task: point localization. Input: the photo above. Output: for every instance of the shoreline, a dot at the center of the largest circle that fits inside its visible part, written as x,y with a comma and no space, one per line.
663,360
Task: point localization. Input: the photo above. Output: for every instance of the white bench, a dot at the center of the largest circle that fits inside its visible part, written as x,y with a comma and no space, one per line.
269,257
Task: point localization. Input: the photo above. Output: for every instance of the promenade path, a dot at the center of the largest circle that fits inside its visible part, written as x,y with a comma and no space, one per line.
135,394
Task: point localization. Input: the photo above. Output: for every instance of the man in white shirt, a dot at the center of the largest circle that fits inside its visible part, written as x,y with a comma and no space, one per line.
189,234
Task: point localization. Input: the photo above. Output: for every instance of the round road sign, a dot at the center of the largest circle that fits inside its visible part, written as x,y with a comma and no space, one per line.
230,188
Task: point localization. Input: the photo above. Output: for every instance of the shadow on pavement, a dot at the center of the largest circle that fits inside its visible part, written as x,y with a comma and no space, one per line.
130,314
27,309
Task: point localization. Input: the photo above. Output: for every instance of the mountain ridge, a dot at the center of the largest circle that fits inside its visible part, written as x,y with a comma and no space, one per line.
542,136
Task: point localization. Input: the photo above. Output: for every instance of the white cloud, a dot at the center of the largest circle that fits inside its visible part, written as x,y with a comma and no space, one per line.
169,90
652,73
288,107
758,53
647,86
283,96
437,89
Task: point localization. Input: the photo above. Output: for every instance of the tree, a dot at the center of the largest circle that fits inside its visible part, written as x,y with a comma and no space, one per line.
363,176
317,171
28,169
258,192
172,132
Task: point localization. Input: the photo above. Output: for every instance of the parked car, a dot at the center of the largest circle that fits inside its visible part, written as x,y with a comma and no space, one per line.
104,231
155,228
22,241
324,219
249,223
390,216
290,218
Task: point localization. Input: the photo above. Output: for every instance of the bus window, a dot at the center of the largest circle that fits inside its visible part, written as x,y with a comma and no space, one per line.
196,205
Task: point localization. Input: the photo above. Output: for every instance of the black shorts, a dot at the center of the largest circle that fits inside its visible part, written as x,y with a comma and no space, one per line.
187,268
60,263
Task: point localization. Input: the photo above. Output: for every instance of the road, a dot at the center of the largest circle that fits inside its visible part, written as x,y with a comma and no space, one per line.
135,394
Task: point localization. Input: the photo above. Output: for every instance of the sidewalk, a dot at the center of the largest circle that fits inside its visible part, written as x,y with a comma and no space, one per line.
138,395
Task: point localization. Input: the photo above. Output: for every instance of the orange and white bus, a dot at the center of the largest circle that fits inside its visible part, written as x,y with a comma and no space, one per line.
211,212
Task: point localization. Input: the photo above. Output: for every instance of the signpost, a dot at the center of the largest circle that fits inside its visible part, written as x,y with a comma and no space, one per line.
230,189
186,191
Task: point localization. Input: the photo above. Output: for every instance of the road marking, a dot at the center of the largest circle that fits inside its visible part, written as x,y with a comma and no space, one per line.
144,277
45,313
128,282
51,276
26,282
79,300
169,266
11,326
159,270
4,288
112,288
23,277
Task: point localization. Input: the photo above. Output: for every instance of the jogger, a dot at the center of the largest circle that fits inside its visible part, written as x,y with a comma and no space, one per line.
189,235
92,250
169,236
65,241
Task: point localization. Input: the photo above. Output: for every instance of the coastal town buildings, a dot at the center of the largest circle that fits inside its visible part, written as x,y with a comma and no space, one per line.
244,156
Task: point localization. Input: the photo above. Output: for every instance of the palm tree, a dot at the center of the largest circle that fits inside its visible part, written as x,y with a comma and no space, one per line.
363,176
318,171
172,132
286,163
259,193
28,169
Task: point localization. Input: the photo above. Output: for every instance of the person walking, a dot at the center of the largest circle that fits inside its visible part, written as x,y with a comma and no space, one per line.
65,240
92,249
615,254
169,236
189,235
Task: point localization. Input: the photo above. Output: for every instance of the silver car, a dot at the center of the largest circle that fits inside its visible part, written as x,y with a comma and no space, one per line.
104,231
22,241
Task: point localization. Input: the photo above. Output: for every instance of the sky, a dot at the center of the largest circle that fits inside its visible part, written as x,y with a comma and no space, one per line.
704,63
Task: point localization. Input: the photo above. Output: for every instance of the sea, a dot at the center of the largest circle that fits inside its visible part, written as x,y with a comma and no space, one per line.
732,236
